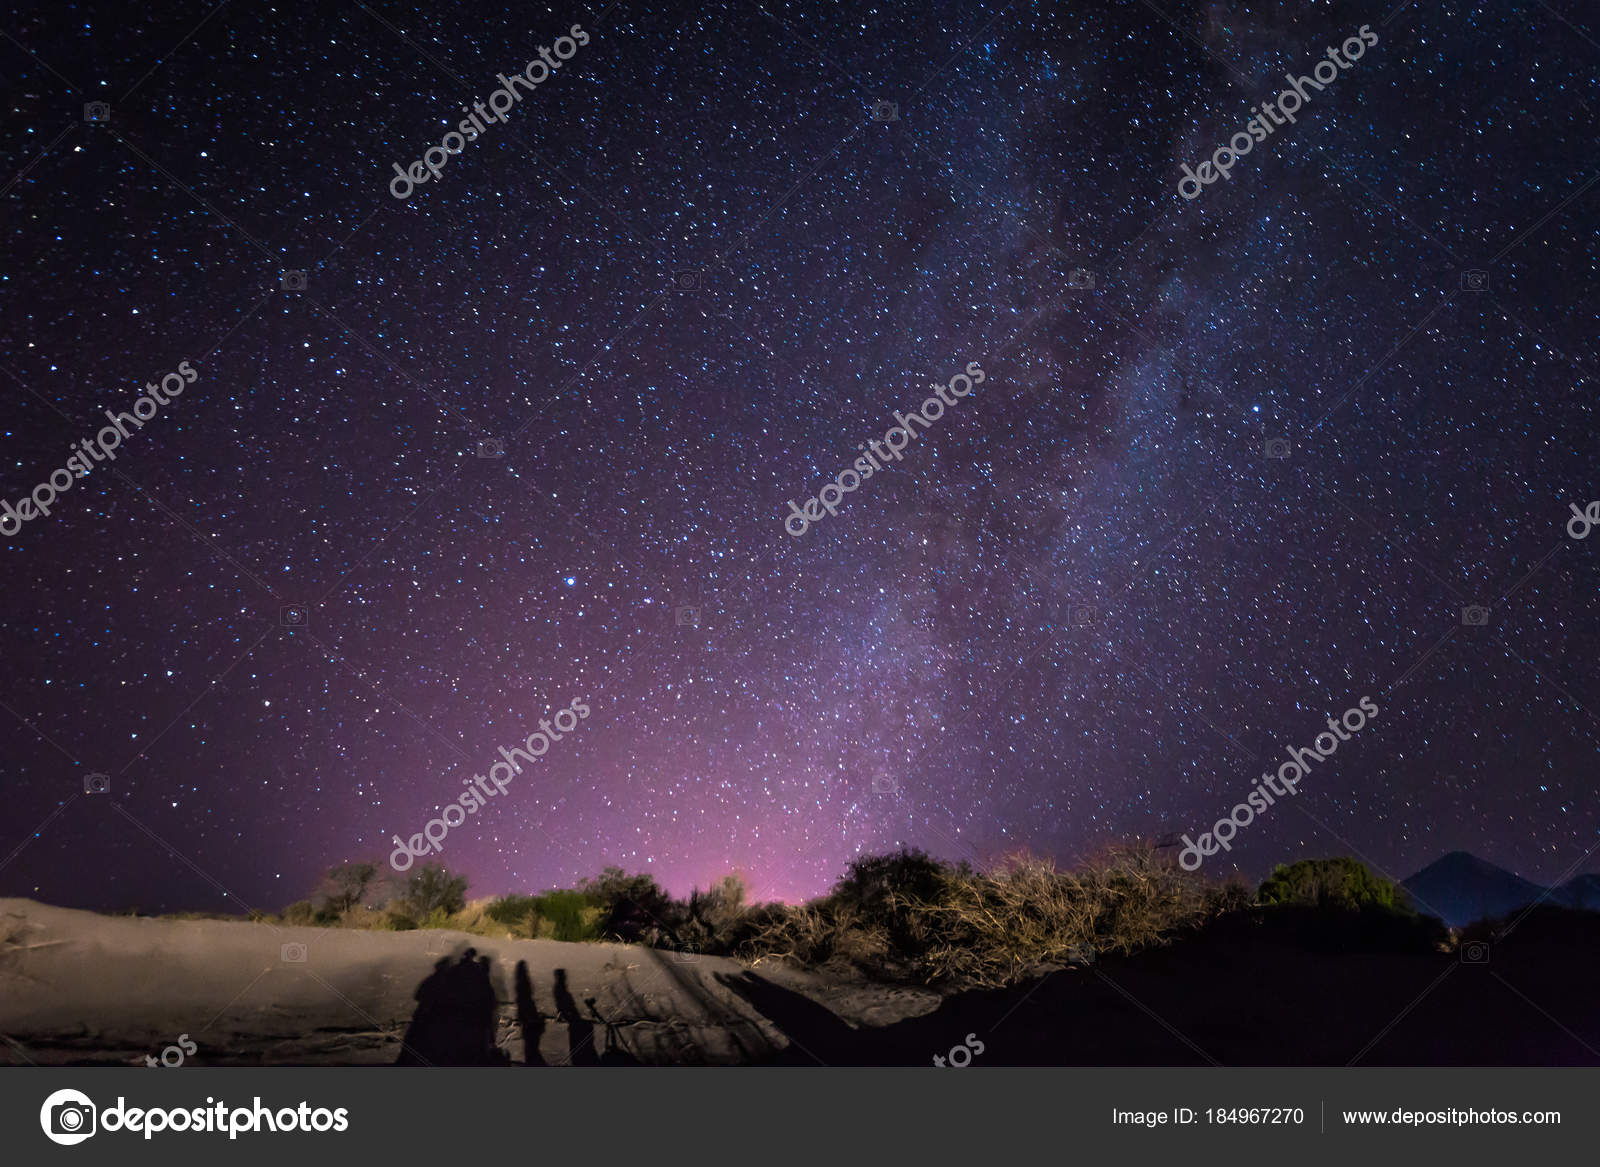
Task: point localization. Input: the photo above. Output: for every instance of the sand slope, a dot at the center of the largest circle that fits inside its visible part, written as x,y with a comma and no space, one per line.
80,987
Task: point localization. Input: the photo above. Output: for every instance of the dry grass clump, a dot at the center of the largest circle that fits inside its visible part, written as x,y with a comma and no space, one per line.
816,935
996,928
909,917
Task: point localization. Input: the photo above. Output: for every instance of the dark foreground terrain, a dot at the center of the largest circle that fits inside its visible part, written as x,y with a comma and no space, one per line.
1280,988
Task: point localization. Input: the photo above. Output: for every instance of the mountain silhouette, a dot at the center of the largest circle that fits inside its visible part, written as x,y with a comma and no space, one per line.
1462,888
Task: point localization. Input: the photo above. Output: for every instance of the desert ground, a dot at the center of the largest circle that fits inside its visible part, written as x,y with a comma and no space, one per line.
82,988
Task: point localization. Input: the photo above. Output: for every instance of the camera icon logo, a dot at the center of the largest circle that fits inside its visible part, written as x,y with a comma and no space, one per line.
293,953
491,448
1474,615
1475,281
1276,448
1081,615
294,616
97,783
68,1117
292,281
1475,952
688,954
687,616
884,784
1079,278
96,112
885,111
689,279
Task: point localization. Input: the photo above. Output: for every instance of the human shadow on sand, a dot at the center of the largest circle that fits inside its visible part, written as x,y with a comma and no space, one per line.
454,1024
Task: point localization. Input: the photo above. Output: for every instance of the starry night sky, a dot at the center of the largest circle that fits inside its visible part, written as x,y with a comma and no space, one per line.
681,284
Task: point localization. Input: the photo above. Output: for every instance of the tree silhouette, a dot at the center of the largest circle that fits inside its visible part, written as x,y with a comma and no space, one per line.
346,886
431,888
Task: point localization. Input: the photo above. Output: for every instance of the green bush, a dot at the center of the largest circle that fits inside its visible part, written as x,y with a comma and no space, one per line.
633,908
512,911
874,882
568,915
555,915
1342,883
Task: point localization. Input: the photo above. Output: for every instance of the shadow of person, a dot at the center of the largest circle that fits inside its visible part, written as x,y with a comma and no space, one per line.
580,1031
454,1023
528,1018
816,1036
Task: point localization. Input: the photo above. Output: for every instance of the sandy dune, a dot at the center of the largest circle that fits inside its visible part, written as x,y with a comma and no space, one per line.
77,987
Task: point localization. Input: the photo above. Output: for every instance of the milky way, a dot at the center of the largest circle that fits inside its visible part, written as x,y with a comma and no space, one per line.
529,435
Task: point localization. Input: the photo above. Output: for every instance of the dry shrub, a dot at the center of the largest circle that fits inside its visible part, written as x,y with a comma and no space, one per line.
816,935
996,929
363,919
952,925
301,912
